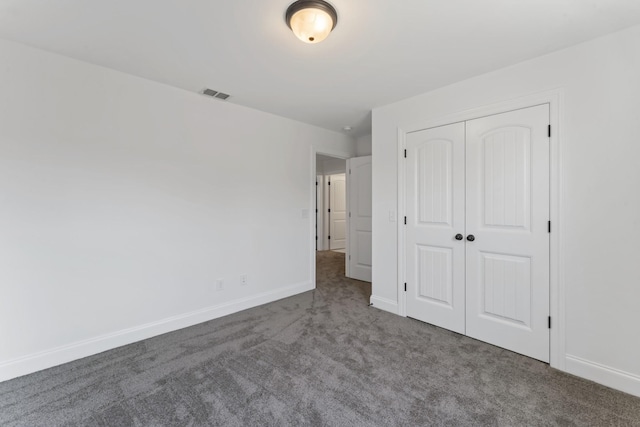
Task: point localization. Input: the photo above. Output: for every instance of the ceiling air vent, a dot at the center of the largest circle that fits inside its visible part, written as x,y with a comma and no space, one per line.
215,94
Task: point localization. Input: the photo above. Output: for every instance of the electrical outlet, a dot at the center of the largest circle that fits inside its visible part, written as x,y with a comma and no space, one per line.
219,284
244,280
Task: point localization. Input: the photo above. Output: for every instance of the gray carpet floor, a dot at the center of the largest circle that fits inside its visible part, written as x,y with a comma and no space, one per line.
320,358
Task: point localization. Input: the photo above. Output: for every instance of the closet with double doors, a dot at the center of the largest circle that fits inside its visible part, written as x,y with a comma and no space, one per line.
477,229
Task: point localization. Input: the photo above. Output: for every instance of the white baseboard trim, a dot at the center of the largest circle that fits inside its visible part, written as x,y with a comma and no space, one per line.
605,375
57,356
384,304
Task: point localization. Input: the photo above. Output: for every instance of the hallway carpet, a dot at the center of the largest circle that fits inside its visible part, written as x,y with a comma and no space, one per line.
322,358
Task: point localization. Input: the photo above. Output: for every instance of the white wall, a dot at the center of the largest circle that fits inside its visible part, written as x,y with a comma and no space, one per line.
600,167
123,201
332,166
363,145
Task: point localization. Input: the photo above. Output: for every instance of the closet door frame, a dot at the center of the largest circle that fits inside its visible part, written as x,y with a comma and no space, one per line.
556,262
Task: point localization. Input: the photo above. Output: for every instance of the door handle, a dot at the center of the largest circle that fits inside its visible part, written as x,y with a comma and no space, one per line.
471,237
459,236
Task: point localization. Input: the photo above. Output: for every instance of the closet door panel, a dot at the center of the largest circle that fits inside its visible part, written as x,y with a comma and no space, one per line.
435,215
507,209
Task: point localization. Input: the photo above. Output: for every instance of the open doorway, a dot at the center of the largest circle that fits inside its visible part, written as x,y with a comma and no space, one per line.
343,212
331,204
343,226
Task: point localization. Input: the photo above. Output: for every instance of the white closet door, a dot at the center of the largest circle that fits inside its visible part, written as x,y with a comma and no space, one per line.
338,211
435,215
359,251
507,246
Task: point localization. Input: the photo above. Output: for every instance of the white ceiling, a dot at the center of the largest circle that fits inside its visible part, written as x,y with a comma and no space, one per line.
381,50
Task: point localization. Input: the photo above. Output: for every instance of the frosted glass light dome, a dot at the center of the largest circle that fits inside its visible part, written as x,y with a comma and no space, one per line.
311,21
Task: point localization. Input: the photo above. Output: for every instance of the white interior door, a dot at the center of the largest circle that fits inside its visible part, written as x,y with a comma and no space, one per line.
359,221
507,214
435,215
337,211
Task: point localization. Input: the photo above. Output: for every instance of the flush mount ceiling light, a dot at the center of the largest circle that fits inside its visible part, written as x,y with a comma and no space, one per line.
311,20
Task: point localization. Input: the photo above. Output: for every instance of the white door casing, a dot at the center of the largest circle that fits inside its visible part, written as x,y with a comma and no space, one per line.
337,211
507,212
359,219
435,215
487,178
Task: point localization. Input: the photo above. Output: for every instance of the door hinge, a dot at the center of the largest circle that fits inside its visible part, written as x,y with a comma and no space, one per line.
349,214
405,286
329,183
549,322
349,257
349,171
549,131
405,220
329,210
316,182
316,210
405,153
549,226
316,237
328,237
